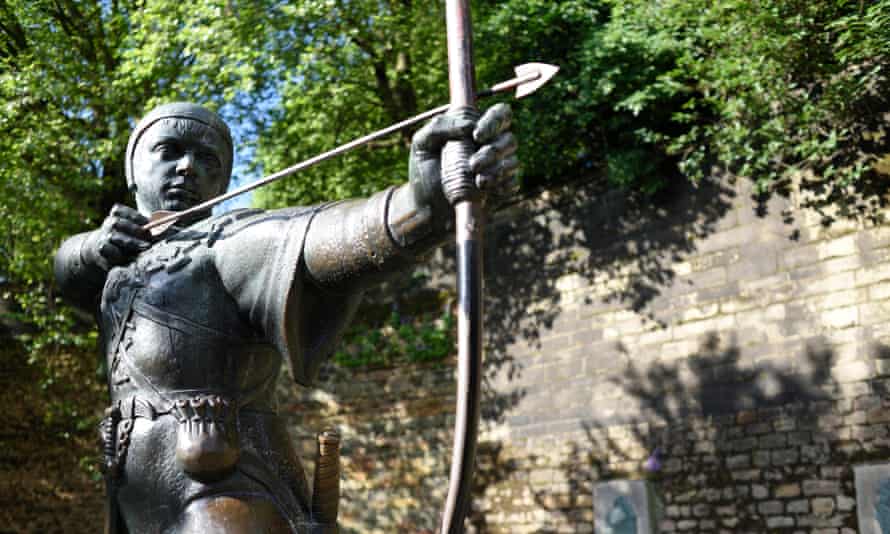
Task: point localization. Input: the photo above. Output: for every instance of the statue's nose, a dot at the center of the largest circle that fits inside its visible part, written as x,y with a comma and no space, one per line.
186,164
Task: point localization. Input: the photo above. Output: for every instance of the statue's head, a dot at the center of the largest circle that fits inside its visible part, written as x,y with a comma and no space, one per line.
179,155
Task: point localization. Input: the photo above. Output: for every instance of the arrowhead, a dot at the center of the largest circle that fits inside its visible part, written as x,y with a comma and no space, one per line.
544,72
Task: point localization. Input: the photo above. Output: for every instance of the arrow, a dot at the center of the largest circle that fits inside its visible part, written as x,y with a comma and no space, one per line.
529,77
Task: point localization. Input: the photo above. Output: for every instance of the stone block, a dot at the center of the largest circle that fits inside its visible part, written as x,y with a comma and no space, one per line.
759,492
770,508
845,504
687,524
821,487
840,318
873,274
829,284
844,246
772,441
779,522
878,415
730,522
726,510
798,507
784,491
784,457
822,506
761,458
738,461
852,371
796,439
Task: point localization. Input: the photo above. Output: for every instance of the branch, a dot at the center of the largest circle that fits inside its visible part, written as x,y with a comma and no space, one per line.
13,29
72,30
384,90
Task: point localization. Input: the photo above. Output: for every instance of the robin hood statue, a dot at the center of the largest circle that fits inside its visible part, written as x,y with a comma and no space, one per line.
196,321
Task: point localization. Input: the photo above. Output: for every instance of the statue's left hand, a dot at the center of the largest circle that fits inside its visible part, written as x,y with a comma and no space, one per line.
494,162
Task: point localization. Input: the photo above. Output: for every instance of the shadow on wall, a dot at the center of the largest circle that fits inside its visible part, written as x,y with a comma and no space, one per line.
716,381
722,441
602,236
575,233
400,421
715,401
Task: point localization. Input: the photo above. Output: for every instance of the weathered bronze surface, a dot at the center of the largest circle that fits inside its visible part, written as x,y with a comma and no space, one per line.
195,322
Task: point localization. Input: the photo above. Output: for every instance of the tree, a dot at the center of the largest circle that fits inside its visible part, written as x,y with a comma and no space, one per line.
74,76
357,66
648,92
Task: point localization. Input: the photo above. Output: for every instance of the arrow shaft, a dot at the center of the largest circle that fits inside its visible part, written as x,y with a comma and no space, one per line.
342,149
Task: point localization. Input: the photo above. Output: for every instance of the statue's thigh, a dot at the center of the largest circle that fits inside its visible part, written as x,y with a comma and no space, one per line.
232,515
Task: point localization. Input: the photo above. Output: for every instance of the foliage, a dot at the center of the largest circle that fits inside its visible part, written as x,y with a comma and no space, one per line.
768,88
648,92
74,75
356,67
398,339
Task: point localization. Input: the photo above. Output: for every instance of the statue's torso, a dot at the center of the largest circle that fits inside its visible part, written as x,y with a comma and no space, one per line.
168,318
178,346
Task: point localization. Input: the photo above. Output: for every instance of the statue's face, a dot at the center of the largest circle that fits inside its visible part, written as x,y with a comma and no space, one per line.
178,164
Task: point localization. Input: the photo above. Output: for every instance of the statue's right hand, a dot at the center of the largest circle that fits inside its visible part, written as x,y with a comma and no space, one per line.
119,240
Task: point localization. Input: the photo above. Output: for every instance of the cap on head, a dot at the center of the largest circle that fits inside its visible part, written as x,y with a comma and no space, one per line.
180,110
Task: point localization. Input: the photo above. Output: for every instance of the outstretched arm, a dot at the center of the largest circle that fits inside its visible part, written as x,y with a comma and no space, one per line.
355,244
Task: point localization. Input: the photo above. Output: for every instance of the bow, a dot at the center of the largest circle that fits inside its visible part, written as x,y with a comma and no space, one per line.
459,188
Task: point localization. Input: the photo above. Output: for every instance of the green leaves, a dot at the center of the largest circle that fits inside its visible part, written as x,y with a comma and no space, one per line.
74,77
648,91
398,340
357,67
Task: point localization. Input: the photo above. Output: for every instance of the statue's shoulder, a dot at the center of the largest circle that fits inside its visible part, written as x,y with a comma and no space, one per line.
244,219
247,231
258,220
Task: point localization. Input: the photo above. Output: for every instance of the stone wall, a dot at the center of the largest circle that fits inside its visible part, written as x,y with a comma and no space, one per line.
732,351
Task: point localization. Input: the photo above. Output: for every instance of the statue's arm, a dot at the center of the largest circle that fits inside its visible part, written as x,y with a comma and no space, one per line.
355,244
79,279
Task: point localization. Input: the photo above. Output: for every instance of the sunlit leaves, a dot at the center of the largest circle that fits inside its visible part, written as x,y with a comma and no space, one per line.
355,67
74,77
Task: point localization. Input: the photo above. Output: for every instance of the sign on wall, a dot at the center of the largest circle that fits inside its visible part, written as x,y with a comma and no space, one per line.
625,507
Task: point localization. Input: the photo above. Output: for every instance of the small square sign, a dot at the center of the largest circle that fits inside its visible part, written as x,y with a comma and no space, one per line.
873,498
624,507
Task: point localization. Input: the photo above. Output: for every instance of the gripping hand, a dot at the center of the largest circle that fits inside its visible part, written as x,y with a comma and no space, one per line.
119,240
493,162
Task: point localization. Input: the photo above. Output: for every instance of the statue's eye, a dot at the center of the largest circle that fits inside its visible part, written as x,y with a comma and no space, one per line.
209,158
166,150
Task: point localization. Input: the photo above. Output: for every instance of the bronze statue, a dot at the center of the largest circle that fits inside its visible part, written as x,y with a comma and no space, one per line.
196,321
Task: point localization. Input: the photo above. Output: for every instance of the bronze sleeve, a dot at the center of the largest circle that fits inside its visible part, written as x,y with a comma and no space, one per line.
79,281
354,244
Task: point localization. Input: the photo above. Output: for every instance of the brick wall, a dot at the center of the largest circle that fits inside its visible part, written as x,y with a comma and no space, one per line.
740,345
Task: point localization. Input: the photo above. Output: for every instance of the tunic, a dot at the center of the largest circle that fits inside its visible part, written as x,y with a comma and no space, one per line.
194,332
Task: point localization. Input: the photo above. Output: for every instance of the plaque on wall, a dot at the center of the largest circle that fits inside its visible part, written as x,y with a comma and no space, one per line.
873,498
625,507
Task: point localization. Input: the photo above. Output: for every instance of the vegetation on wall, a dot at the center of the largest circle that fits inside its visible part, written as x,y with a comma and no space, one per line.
417,339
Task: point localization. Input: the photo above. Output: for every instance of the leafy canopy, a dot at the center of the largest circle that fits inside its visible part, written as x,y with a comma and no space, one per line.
648,92
74,76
